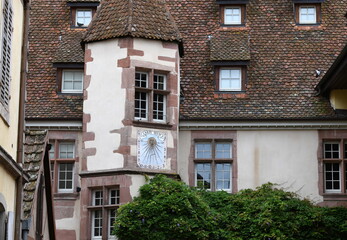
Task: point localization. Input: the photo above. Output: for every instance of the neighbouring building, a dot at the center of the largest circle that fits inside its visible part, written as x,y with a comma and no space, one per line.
224,94
12,177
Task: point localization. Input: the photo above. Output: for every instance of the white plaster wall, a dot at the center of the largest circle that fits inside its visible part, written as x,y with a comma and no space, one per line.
9,131
184,145
288,158
152,49
8,189
105,103
137,182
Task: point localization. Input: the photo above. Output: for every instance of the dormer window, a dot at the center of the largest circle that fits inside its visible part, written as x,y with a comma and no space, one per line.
82,13
307,13
232,15
232,12
72,81
83,17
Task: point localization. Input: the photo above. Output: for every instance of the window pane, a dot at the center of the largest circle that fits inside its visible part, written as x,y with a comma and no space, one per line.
223,176
332,176
114,196
232,15
83,17
97,223
72,80
140,105
332,150
66,150
223,150
203,150
307,15
111,220
51,151
141,79
97,198
203,175
158,107
65,177
159,82
230,79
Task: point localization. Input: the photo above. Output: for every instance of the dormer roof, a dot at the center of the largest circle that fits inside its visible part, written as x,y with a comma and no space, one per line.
135,18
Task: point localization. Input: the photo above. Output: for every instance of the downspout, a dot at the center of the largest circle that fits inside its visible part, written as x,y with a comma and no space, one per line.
21,115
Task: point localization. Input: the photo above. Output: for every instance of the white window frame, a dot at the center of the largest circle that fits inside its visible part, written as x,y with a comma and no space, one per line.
94,197
67,143
63,90
141,118
93,224
340,179
238,22
66,190
301,21
83,10
196,175
231,149
109,223
164,109
231,180
230,79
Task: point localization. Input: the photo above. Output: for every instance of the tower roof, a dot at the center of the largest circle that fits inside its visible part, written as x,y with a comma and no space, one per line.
136,18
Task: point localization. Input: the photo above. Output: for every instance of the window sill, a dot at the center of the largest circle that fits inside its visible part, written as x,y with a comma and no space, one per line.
138,123
334,196
316,26
229,95
65,196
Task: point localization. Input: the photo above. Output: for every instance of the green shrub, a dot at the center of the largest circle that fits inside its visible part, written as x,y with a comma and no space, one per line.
168,209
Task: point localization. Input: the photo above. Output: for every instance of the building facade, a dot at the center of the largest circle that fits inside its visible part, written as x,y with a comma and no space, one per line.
12,178
222,94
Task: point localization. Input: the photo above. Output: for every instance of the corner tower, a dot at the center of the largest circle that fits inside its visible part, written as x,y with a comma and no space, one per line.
130,106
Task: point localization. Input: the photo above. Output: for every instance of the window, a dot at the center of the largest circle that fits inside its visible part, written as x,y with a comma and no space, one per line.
72,81
335,166
83,17
213,165
233,15
62,157
150,96
5,63
230,79
308,13
104,205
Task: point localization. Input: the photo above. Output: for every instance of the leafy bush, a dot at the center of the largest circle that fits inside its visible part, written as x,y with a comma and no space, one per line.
168,209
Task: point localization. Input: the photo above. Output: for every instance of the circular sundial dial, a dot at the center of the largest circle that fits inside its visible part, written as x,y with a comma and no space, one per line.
151,149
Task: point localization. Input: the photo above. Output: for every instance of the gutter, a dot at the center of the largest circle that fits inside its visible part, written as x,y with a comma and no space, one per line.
21,114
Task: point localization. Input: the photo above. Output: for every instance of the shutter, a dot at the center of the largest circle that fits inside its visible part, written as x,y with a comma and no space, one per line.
6,53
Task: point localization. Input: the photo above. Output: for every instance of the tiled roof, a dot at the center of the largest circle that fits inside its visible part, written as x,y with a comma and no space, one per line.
82,1
34,149
46,28
136,18
230,46
283,58
70,49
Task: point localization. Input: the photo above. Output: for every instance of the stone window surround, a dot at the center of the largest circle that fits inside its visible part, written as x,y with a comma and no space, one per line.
332,198
55,138
200,136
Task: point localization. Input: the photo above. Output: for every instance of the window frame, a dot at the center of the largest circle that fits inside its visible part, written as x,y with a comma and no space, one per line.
341,160
223,9
151,92
84,10
106,209
214,162
72,90
243,78
73,14
297,13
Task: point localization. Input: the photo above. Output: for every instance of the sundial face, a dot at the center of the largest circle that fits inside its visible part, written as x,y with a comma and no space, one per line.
151,149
